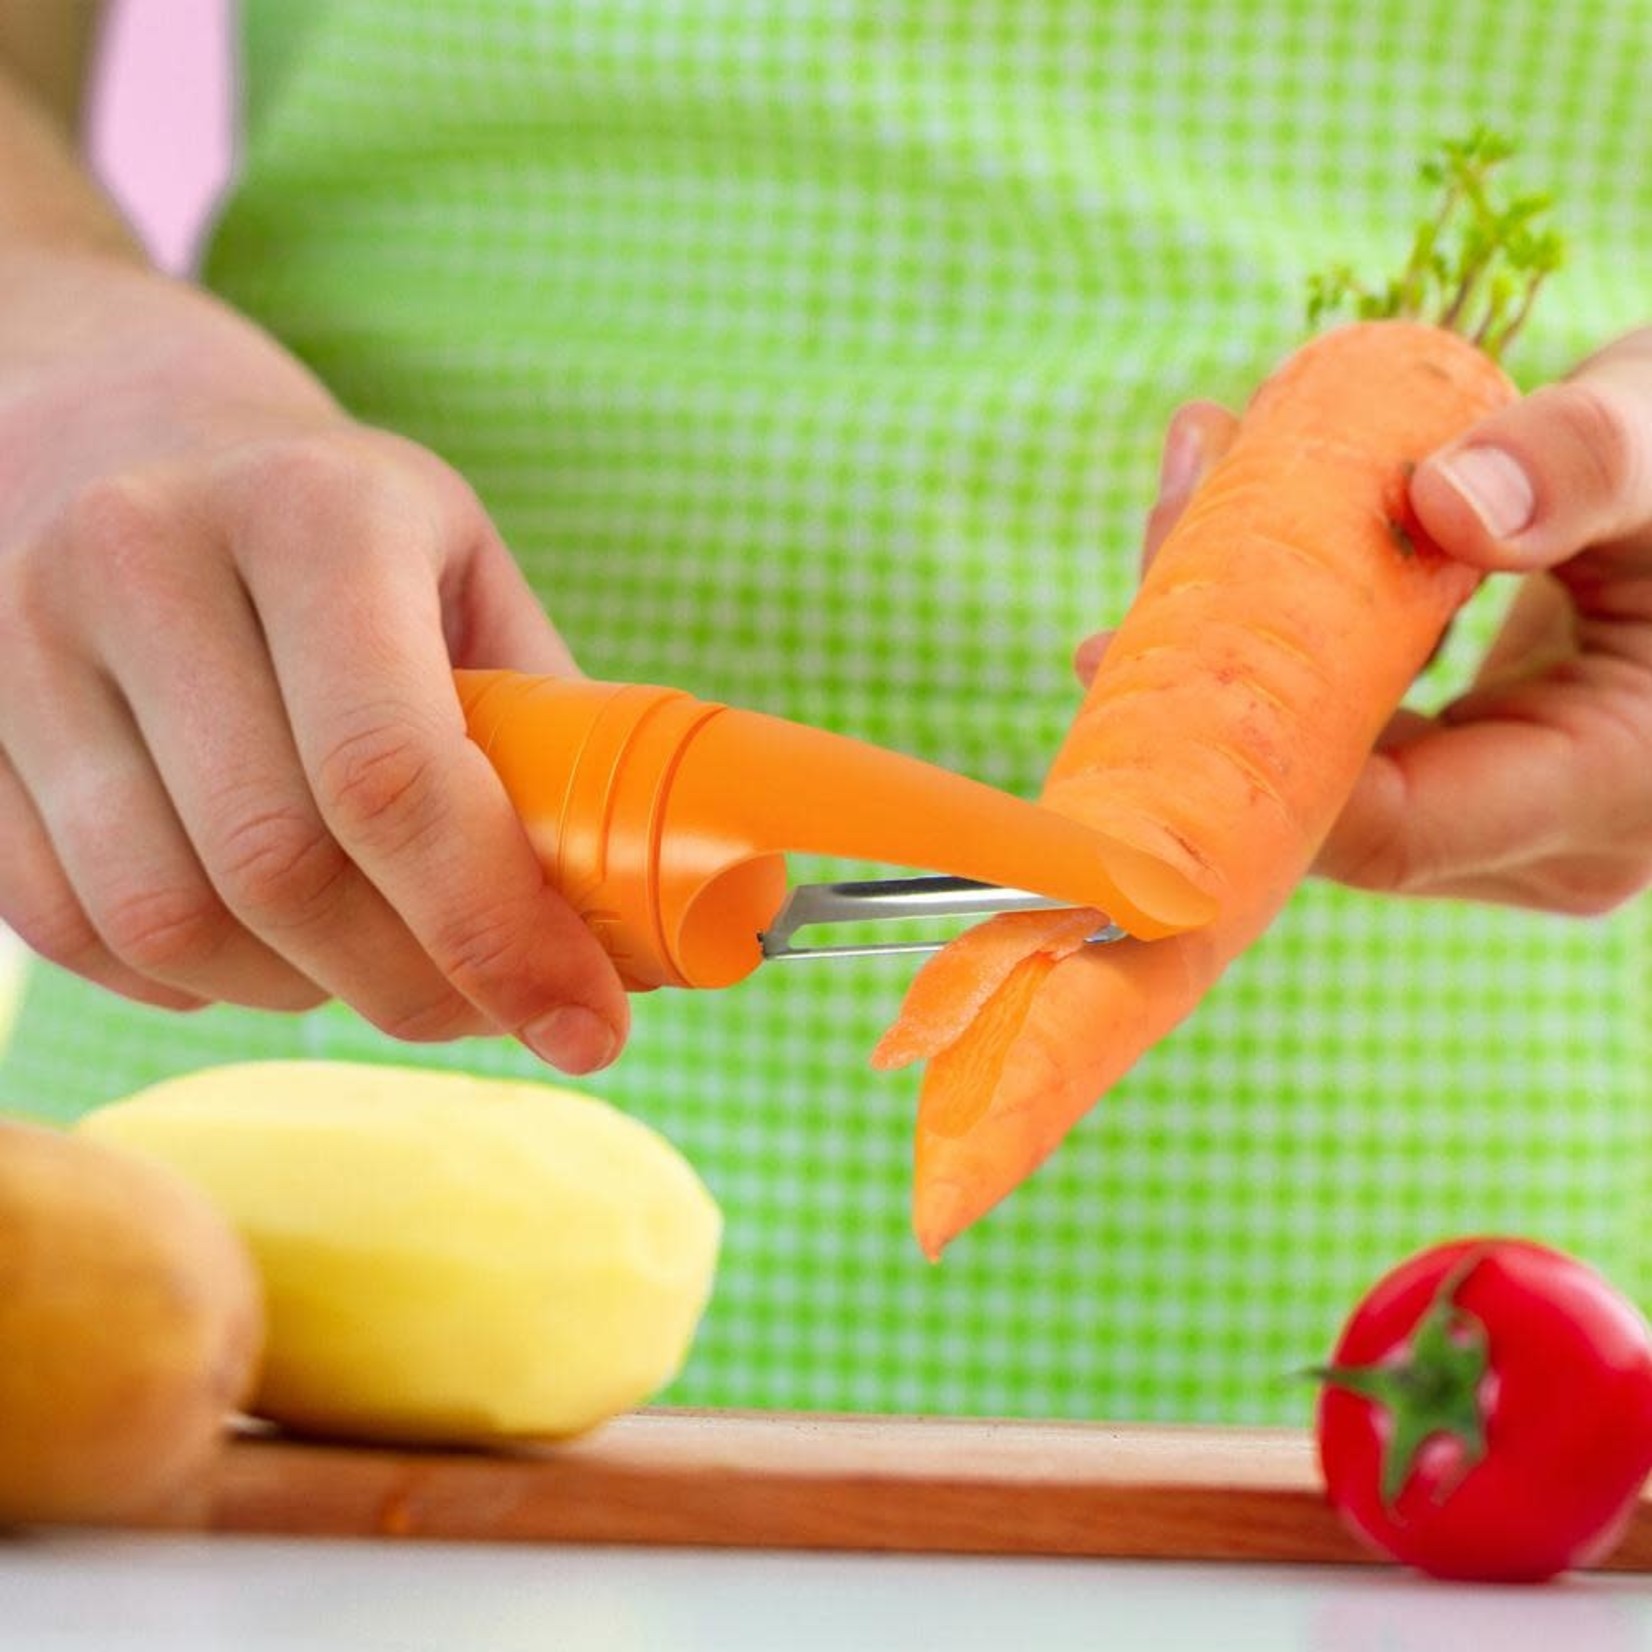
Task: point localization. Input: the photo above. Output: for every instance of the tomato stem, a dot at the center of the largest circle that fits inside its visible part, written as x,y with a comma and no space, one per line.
1432,1389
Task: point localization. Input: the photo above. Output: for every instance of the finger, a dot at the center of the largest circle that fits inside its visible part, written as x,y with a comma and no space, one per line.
126,857
38,903
213,723
1536,793
1450,810
1568,467
491,616
1087,657
1539,629
410,798
1198,435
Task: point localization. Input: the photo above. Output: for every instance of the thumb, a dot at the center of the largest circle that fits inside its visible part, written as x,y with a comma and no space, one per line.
1568,467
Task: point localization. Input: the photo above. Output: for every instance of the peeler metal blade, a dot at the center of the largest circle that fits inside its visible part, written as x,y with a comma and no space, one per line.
888,899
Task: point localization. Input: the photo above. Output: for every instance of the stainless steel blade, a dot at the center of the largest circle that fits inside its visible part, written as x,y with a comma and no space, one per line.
889,899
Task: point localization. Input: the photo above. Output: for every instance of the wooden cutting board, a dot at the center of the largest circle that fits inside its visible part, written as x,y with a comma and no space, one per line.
783,1480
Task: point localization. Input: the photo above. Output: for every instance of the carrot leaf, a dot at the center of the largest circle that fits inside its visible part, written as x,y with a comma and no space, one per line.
1476,264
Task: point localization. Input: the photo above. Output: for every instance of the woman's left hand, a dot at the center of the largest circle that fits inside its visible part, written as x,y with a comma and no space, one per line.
1533,788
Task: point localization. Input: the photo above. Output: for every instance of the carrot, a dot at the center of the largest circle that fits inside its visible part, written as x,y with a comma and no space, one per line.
1281,623
947,995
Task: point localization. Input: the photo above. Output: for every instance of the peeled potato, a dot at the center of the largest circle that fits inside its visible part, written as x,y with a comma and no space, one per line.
130,1329
445,1258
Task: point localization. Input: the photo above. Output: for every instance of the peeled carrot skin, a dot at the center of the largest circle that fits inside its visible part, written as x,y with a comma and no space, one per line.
1300,536
1125,996
958,981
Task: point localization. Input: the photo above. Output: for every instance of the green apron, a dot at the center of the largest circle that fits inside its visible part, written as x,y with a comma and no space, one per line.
814,355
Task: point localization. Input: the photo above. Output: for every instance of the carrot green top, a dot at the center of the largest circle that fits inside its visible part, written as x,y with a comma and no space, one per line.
1476,263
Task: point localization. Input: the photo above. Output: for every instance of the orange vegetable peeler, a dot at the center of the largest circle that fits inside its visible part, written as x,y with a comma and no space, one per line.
666,820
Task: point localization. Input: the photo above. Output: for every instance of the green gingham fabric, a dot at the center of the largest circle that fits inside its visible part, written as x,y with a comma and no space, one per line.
814,355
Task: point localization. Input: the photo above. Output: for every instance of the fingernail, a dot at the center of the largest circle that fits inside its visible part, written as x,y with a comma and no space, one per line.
572,1039
1494,486
1184,456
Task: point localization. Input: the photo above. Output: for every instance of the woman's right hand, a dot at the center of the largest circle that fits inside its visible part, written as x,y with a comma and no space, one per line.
233,765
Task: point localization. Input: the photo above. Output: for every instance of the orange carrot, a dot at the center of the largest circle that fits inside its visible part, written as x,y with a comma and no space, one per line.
1280,625
947,995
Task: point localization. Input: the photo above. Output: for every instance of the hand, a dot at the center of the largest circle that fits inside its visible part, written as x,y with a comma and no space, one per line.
1534,788
233,764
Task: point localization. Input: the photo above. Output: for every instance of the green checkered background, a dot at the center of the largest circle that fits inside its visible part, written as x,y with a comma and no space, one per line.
814,355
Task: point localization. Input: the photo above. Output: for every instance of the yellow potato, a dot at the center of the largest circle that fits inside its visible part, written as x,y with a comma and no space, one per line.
445,1258
130,1329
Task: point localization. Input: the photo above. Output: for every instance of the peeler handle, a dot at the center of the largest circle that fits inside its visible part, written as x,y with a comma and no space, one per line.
665,820
588,766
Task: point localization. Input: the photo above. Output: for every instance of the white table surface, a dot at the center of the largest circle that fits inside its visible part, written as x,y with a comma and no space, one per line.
75,1592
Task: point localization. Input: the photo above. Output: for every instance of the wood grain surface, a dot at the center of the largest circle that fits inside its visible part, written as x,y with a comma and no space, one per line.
785,1480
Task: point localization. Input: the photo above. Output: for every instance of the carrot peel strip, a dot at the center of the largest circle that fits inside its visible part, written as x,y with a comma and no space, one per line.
955,984
1020,1088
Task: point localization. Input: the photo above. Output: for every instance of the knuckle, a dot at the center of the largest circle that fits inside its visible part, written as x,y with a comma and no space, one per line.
1596,886
61,933
123,523
1381,841
307,473
27,601
1596,891
326,482
1406,860
1376,867
281,865
435,1021
1601,434
1596,902
163,930
483,949
379,782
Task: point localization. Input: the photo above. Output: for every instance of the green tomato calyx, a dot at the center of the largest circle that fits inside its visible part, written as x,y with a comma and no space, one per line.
1431,1388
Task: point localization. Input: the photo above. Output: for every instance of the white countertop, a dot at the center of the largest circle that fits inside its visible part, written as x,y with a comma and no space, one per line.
75,1592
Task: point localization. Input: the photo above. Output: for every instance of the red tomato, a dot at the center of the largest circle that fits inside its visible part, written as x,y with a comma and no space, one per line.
1487,1413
